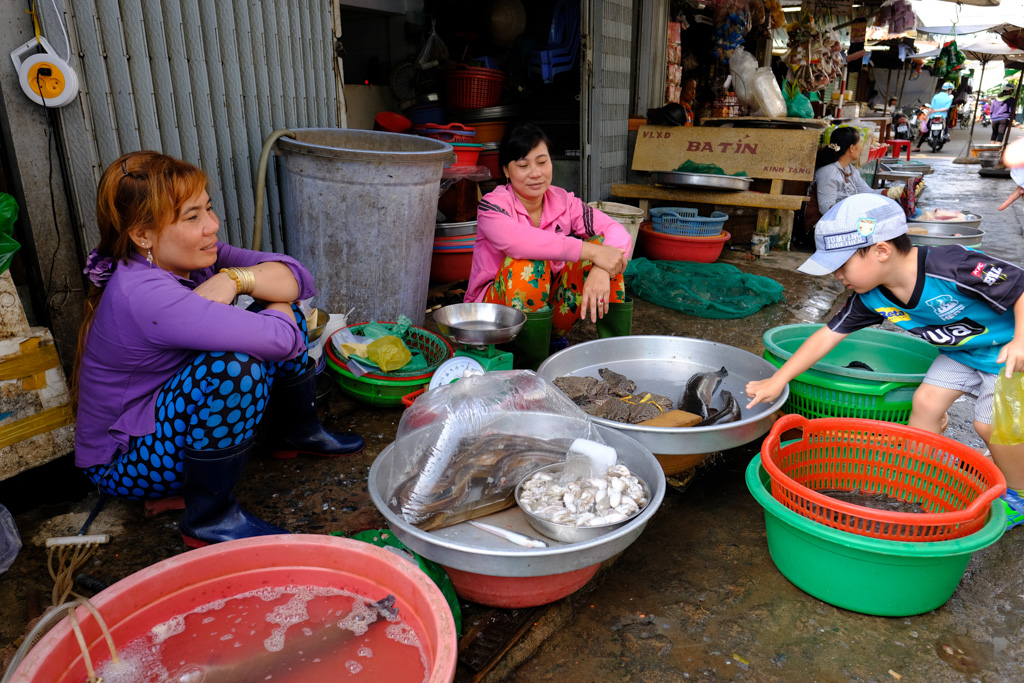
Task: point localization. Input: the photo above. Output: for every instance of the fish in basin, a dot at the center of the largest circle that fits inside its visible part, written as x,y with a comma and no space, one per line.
699,391
729,412
578,388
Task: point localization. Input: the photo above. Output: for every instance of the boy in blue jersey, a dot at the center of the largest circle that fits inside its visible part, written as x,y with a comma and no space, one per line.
969,305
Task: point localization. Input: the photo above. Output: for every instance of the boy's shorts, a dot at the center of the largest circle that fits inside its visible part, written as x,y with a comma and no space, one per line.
950,374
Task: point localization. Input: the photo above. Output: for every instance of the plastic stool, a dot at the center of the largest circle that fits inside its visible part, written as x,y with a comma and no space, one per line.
896,148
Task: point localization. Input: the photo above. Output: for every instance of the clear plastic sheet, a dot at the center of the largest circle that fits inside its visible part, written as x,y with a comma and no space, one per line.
463,447
1007,403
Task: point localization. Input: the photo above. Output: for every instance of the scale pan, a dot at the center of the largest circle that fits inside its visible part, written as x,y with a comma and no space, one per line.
479,324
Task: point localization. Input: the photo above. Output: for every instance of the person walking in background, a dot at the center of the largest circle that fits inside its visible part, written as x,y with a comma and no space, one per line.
1004,106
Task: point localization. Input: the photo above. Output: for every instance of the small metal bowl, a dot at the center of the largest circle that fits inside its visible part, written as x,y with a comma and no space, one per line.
316,323
479,323
568,533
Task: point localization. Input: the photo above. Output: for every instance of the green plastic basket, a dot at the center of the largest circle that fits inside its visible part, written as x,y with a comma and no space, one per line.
829,389
862,574
388,390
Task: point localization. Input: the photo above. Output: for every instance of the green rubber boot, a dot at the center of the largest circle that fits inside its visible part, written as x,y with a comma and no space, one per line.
530,347
617,322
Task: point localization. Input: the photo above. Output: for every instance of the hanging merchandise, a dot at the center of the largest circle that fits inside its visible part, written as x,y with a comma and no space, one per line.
896,16
815,55
729,34
776,18
949,61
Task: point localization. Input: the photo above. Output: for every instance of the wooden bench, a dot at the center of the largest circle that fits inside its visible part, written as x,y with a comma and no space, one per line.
770,155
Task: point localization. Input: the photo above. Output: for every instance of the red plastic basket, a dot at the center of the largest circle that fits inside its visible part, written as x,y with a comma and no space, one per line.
470,87
953,483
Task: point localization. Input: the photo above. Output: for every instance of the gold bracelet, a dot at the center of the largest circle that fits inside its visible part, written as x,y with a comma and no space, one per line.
245,279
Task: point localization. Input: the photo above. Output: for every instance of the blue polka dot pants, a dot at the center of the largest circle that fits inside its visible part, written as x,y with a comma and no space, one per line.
215,401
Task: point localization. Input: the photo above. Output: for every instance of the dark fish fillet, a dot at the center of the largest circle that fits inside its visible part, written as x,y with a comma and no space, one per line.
858,365
699,390
729,412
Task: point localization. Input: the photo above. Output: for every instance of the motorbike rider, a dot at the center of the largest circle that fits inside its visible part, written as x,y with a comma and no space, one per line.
901,126
940,104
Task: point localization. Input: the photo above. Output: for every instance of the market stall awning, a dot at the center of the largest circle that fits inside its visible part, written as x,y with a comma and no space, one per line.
991,50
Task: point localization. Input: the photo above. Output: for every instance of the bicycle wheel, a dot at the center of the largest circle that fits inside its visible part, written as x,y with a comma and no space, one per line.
403,79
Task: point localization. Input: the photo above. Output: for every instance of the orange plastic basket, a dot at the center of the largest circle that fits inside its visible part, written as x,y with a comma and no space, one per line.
953,483
470,87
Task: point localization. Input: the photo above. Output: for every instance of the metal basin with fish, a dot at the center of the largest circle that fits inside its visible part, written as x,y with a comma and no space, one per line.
942,233
662,365
479,324
469,549
971,220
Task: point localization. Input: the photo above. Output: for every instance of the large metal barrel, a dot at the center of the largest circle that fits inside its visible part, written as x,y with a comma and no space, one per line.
359,209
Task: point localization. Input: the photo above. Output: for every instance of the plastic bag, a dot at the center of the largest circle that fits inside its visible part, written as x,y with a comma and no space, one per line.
463,447
388,352
434,51
743,67
1007,403
708,290
10,540
8,245
767,93
797,104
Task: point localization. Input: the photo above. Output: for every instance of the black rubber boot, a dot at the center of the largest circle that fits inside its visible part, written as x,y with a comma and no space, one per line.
211,512
294,427
530,347
617,322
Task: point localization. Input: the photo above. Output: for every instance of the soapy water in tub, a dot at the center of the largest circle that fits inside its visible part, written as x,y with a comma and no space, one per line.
282,634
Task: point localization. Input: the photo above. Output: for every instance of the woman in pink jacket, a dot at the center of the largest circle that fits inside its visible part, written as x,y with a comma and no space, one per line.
542,250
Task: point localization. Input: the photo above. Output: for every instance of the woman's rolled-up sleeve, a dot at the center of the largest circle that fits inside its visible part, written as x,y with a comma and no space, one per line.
587,222
172,316
520,241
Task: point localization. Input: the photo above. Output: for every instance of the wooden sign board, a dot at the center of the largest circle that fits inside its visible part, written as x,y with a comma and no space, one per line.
760,152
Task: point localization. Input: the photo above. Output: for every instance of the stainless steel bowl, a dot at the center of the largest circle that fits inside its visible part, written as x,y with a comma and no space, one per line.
702,181
479,324
569,533
940,234
465,547
971,220
662,365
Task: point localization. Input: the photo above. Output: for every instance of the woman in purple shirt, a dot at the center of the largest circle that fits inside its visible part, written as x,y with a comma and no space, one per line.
172,380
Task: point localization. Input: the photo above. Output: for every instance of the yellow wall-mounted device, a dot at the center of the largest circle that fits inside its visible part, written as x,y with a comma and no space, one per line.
46,78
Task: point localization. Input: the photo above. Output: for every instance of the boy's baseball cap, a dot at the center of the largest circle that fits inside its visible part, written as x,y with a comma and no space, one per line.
857,221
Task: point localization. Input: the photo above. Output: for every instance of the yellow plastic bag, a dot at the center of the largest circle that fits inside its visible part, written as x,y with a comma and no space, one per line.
352,349
1007,404
389,353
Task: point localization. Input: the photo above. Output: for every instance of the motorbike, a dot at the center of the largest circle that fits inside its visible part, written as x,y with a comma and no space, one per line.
936,135
983,117
901,128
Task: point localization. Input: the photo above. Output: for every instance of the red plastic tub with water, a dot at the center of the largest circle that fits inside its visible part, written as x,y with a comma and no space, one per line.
197,581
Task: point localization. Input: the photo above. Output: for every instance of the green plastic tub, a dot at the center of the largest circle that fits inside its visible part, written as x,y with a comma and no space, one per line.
862,574
899,363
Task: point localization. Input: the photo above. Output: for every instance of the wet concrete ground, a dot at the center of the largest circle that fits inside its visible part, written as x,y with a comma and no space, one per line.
695,598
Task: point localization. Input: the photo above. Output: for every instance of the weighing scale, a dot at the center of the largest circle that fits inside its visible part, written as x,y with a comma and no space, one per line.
478,327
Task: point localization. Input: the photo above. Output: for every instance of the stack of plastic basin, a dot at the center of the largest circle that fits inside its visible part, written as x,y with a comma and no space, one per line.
453,251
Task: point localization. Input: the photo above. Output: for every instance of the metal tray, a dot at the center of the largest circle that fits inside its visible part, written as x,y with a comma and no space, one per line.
465,547
662,365
701,181
971,220
479,324
455,229
941,234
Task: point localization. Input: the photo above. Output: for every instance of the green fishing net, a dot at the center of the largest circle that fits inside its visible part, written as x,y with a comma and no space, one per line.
693,167
708,290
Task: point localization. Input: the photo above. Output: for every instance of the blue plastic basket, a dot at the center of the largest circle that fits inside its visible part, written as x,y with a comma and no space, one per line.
686,222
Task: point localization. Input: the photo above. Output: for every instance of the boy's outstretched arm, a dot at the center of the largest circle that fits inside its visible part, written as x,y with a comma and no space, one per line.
1013,353
809,353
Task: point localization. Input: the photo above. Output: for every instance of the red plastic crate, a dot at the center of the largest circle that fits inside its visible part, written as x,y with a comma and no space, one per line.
953,483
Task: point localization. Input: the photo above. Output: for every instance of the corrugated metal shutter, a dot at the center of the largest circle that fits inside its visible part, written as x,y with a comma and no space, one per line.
608,119
203,80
